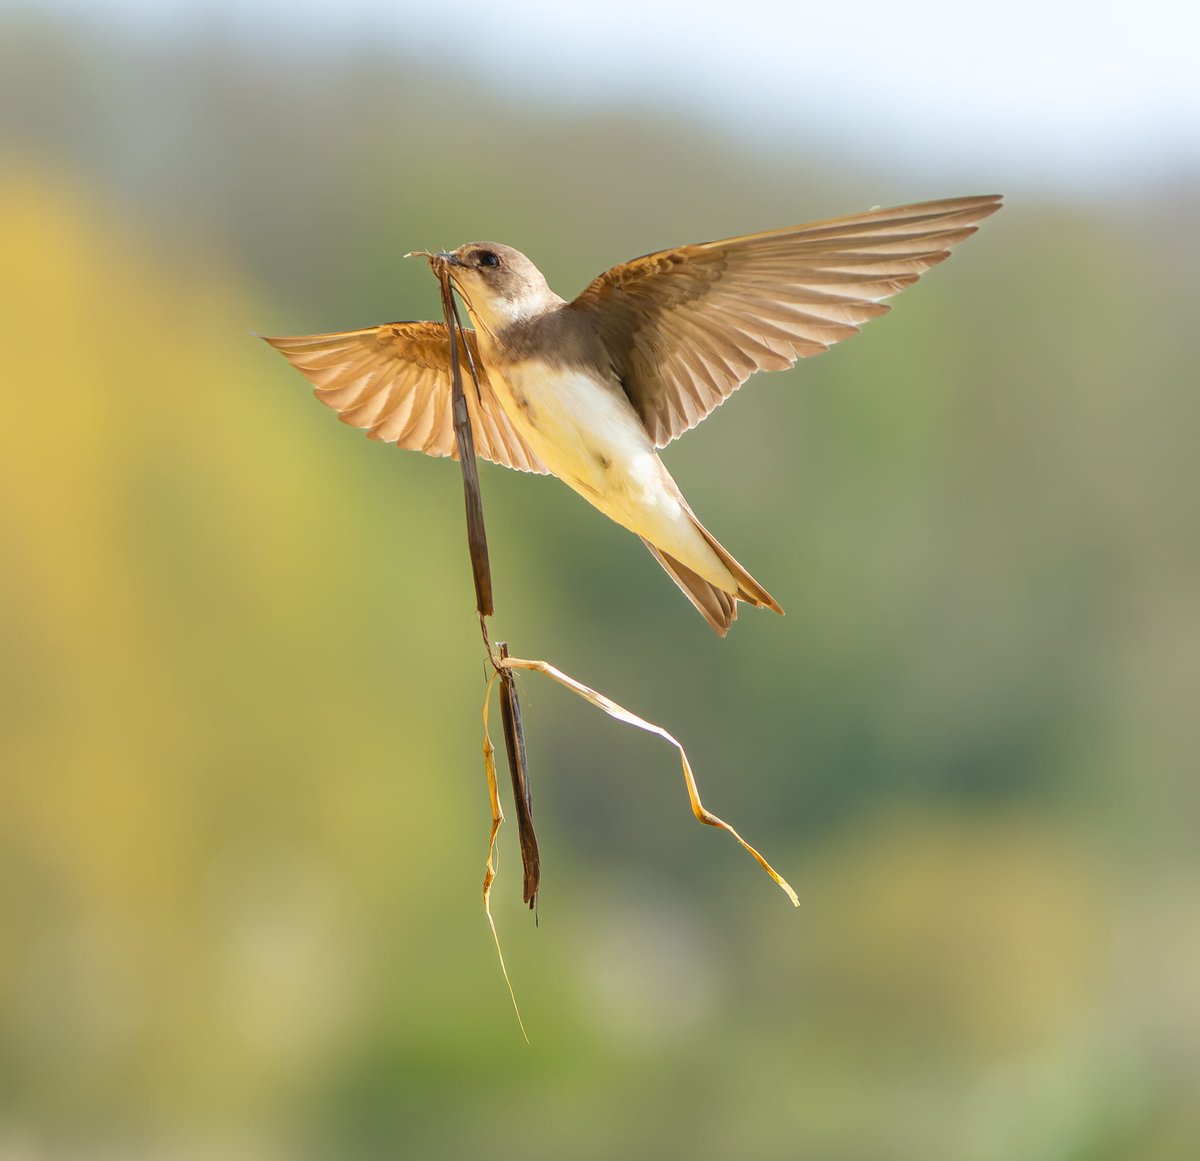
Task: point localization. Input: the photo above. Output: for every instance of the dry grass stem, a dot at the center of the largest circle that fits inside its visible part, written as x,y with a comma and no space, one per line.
503,667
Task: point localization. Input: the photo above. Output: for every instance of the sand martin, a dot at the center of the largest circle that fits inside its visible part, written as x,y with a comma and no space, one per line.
590,389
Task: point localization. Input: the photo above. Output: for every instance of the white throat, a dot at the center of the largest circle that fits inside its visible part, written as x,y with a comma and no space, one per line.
495,312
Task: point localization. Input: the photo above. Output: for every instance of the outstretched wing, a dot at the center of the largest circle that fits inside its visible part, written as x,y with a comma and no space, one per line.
394,382
687,327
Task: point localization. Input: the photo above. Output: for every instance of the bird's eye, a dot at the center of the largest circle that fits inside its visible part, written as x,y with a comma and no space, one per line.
486,258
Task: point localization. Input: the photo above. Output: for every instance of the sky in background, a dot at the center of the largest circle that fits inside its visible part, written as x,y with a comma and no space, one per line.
1067,91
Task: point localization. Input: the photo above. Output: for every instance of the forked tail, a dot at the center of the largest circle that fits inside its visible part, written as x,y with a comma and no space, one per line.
716,606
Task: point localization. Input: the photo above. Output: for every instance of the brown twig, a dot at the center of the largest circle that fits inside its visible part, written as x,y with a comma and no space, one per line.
510,706
514,739
476,532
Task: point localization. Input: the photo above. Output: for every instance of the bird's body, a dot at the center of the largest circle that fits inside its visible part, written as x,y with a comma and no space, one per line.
589,390
583,428
591,438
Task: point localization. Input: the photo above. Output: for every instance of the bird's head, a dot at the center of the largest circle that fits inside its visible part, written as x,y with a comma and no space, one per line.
499,284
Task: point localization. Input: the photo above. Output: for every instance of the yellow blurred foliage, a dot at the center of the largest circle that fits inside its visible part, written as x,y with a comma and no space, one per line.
193,774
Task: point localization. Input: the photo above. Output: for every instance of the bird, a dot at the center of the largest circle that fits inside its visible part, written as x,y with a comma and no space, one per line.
591,389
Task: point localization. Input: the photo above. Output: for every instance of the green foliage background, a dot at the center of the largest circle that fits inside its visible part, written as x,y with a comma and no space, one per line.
242,810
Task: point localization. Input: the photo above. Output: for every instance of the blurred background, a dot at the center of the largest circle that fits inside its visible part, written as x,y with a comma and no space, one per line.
242,806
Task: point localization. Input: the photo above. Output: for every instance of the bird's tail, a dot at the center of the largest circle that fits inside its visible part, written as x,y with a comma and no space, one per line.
716,606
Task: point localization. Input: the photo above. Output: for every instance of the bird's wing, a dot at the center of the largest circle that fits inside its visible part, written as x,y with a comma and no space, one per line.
687,327
394,381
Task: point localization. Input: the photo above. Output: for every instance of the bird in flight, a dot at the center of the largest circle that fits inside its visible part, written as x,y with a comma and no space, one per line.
589,390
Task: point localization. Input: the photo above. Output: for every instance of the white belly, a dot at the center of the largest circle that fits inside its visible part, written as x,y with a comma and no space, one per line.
591,438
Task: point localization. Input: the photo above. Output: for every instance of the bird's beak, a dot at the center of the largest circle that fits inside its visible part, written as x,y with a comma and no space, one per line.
441,258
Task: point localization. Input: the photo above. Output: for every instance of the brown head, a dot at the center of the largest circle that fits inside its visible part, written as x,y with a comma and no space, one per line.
499,284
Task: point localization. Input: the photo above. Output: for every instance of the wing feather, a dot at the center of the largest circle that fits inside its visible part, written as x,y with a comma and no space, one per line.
393,381
686,327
